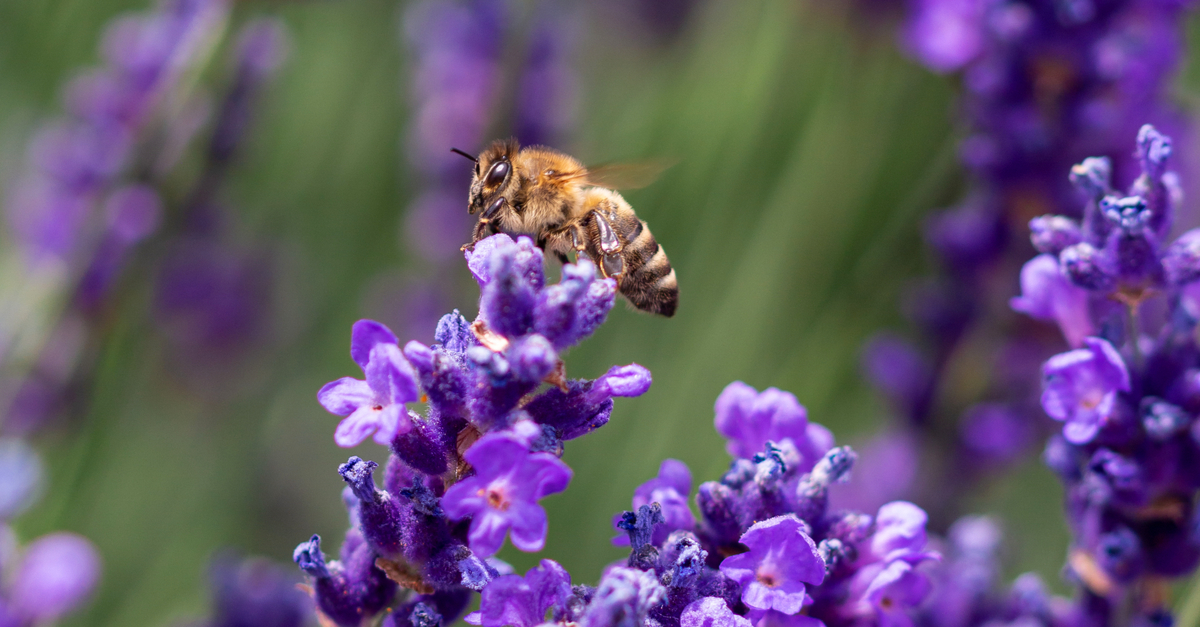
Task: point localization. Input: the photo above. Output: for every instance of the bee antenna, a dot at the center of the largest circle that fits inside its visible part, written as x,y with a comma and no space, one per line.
467,155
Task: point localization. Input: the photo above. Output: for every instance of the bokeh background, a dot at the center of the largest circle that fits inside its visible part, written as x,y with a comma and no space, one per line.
807,149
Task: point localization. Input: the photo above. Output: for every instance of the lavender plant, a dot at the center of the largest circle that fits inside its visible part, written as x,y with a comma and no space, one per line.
1045,85
470,472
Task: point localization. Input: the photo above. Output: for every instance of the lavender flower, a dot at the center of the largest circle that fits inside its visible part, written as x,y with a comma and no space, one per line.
670,490
782,558
749,419
509,480
1081,388
376,405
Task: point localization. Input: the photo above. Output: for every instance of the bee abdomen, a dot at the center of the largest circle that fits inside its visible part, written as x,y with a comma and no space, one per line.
649,281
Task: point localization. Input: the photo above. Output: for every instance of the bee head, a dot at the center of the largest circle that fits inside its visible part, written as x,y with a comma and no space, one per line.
494,176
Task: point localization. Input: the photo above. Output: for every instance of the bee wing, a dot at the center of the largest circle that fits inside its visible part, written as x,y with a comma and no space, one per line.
634,175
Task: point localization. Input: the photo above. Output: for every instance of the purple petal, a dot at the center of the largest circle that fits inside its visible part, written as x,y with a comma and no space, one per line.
390,375
899,530
488,529
1047,294
479,258
393,421
675,474
496,454
364,335
529,526
550,473
345,395
628,381
463,498
356,427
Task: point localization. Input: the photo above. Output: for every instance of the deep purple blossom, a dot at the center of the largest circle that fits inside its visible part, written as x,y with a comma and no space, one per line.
524,601
503,494
1082,387
376,405
749,419
781,560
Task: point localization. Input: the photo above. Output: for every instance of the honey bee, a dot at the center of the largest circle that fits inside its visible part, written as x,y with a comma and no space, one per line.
565,206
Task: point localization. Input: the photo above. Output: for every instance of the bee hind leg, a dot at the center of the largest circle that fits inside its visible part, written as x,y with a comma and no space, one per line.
611,263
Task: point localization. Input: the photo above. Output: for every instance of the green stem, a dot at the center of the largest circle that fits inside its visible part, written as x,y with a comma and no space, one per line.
1187,614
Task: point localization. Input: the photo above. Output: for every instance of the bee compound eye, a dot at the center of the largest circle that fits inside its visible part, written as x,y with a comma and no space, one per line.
496,174
494,208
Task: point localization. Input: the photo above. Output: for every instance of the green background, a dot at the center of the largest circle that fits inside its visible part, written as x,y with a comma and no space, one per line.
808,151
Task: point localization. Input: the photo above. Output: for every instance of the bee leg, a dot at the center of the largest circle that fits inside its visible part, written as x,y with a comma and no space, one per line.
563,259
611,263
486,222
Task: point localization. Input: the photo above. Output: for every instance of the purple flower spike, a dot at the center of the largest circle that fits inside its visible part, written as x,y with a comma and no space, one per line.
347,591
711,612
524,601
1047,294
379,514
56,575
376,405
782,558
670,490
750,419
509,481
1081,388
778,619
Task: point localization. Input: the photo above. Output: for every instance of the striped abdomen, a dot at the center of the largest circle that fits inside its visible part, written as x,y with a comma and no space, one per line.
648,281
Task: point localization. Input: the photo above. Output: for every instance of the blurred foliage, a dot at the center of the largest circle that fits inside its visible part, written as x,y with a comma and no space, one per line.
808,151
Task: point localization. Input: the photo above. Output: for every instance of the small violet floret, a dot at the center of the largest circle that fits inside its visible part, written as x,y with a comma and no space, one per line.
523,601
711,612
749,419
781,560
1048,294
670,490
376,405
503,494
1081,388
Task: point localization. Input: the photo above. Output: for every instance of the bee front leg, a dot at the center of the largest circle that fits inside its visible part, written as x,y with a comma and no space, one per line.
487,225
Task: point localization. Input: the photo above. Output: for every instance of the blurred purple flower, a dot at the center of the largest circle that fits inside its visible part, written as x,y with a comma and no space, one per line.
56,575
